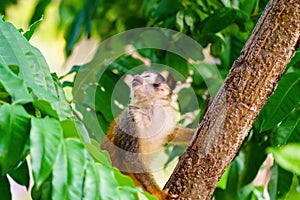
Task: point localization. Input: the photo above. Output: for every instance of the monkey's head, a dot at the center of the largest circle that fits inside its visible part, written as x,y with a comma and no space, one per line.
149,85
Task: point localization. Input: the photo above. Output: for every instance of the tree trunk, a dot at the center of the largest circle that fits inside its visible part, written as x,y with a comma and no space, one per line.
252,79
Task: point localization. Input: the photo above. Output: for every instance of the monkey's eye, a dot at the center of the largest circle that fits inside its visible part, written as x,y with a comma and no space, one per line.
155,84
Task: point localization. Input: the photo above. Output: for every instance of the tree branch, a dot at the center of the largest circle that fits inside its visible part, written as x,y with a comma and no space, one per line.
252,79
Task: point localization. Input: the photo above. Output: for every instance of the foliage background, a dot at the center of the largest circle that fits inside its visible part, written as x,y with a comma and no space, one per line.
37,120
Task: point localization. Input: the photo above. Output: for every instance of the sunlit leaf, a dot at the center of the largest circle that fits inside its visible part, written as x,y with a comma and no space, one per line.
34,73
180,20
108,184
287,157
69,170
98,155
13,84
91,183
45,141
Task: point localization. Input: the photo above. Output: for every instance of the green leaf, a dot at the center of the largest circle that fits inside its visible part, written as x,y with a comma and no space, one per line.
34,72
285,98
13,84
28,34
14,129
232,180
43,192
98,155
190,17
60,175
45,141
69,129
69,170
39,11
248,5
123,180
280,182
178,63
294,192
287,157
45,108
91,182
211,76
223,181
180,20
108,184
254,157
127,188
289,130
5,188
294,60
226,16
165,8
21,174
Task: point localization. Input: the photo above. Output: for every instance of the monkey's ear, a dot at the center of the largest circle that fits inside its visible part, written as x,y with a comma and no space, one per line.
171,81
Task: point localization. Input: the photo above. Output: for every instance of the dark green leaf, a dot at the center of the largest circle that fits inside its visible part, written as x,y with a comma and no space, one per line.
280,182
39,11
82,21
43,192
233,179
254,158
248,6
5,188
295,59
45,141
288,130
165,8
14,129
28,34
227,16
285,98
21,174
177,62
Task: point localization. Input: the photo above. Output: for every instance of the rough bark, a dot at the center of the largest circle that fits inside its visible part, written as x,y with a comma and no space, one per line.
252,79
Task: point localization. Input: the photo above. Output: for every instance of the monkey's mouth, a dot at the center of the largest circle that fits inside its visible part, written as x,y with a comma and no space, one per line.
137,80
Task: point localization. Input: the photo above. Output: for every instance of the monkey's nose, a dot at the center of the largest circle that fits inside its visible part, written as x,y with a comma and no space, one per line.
137,80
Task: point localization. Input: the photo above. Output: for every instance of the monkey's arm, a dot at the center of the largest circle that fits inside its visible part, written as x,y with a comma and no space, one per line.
181,135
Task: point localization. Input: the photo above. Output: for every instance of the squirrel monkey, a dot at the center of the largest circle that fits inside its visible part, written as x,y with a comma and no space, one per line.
143,128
